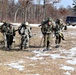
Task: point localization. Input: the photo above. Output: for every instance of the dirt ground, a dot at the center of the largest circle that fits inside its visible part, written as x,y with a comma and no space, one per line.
33,61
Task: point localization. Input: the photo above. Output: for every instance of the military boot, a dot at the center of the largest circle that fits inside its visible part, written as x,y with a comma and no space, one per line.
49,48
63,38
45,49
57,46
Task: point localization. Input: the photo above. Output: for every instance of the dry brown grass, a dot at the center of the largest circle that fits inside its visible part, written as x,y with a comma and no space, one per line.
46,66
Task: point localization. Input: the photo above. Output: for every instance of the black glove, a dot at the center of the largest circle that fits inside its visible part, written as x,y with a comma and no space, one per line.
30,36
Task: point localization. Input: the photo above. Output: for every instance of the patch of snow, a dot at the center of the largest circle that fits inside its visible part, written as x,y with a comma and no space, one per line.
69,55
71,26
36,58
18,24
40,53
21,61
34,25
54,56
67,73
67,68
72,51
27,57
72,62
32,64
32,74
37,52
43,54
1,23
17,65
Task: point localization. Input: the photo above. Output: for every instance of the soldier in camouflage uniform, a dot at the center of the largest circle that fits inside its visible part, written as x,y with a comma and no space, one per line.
3,31
47,29
10,33
58,32
43,25
25,33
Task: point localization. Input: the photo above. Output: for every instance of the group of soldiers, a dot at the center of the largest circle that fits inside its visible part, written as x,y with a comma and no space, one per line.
48,27
9,33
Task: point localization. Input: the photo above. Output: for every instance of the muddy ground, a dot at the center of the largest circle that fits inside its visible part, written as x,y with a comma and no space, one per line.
58,61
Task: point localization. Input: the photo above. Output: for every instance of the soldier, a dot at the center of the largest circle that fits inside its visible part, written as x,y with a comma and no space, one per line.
58,32
25,32
10,33
63,25
3,31
43,25
29,33
47,29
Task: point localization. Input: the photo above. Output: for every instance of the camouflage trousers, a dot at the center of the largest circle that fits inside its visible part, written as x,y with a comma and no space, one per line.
9,40
59,36
24,41
5,40
47,39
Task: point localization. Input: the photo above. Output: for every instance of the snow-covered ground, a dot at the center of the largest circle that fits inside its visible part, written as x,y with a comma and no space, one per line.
18,24
35,25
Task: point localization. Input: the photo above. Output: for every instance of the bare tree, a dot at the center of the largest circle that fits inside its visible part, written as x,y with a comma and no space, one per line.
27,10
23,5
3,9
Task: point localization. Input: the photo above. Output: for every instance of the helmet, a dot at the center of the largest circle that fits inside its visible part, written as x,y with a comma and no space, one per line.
50,19
61,21
23,25
26,23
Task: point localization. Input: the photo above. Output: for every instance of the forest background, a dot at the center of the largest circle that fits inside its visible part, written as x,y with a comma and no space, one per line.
28,10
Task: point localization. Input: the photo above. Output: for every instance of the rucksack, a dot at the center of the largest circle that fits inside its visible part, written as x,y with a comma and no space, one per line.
21,30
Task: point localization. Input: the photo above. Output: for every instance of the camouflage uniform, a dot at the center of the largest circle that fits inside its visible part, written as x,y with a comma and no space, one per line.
47,29
58,32
25,33
10,33
3,31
